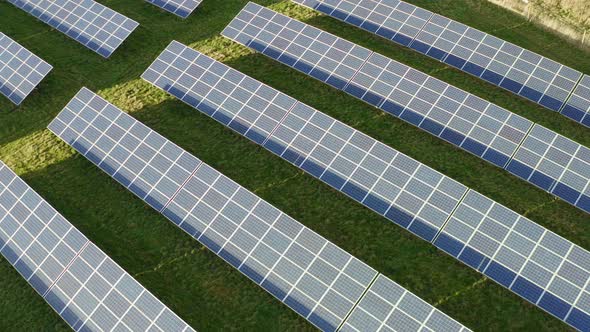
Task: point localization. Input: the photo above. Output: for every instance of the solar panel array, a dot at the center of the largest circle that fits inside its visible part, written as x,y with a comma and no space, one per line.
93,25
555,164
394,185
79,281
312,276
578,105
20,70
182,8
469,122
501,63
474,229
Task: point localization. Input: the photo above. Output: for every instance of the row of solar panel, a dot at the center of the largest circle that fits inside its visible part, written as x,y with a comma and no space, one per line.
77,279
528,150
499,62
540,266
315,278
93,25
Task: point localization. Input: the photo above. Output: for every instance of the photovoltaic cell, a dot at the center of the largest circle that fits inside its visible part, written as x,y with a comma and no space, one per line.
20,70
555,164
392,19
82,284
93,25
306,272
501,63
469,122
312,276
374,174
578,105
533,262
398,187
182,8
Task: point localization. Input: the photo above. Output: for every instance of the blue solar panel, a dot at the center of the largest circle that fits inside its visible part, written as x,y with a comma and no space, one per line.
578,105
312,276
182,8
93,25
79,281
469,122
20,70
405,191
504,64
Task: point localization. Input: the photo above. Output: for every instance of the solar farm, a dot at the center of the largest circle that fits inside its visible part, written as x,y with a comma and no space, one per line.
280,165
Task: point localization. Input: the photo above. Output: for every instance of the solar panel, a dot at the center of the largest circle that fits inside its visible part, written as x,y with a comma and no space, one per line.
182,8
312,276
395,20
469,122
499,62
454,115
389,307
396,186
93,25
504,64
20,70
578,105
555,164
79,281
537,264
347,160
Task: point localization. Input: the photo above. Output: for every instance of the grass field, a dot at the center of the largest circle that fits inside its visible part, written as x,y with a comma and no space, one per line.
205,291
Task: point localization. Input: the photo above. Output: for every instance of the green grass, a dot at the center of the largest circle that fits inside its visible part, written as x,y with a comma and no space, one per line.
202,289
